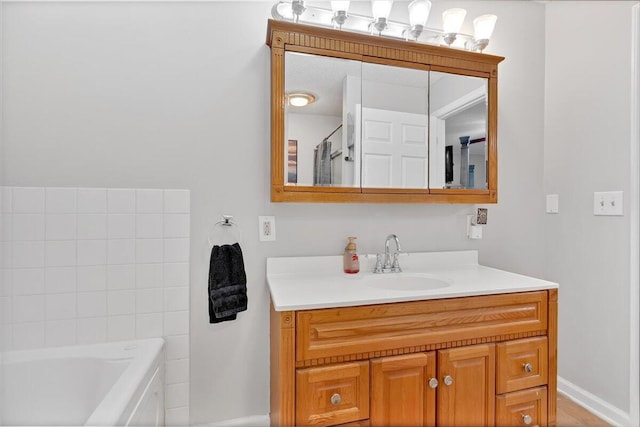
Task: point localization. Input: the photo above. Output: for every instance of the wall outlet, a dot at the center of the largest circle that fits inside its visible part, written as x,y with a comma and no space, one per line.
267,228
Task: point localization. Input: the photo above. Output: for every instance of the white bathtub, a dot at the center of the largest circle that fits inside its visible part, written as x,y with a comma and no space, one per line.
112,384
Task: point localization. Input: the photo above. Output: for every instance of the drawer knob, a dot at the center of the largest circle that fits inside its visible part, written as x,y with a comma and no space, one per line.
433,383
336,399
526,419
527,367
448,380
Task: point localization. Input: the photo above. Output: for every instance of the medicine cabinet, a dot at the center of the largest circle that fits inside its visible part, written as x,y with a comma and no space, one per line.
384,121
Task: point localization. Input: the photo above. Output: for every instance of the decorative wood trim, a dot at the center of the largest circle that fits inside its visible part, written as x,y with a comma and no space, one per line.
552,385
286,36
415,349
320,189
338,331
277,118
281,193
492,133
282,343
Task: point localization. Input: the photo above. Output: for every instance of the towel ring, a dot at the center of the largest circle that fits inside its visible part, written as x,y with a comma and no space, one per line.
225,231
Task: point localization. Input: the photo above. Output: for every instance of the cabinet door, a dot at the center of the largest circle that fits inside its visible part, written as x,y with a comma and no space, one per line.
400,391
466,394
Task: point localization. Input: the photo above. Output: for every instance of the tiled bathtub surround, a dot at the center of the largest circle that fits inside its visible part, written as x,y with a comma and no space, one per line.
89,265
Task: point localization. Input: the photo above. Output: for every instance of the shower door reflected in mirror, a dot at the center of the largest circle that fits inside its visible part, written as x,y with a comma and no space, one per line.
394,121
327,148
458,138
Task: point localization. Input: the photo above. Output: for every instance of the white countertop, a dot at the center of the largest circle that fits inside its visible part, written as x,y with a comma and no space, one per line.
304,283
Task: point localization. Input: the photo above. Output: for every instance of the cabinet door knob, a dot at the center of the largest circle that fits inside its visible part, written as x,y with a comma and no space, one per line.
335,399
448,380
433,383
527,367
526,419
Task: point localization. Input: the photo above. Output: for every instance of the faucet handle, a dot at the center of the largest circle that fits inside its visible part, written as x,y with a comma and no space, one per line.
378,267
395,266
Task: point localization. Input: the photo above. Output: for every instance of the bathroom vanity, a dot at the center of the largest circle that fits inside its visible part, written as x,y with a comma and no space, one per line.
447,342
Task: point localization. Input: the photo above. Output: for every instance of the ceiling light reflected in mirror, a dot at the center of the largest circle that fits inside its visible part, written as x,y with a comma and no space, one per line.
300,99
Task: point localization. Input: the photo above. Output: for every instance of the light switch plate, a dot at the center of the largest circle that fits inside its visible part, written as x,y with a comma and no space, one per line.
608,203
553,201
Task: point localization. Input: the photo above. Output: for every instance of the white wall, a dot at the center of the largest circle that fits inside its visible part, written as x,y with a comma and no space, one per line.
154,95
587,149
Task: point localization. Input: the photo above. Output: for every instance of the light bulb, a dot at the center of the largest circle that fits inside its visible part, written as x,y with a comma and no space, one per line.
483,26
419,12
451,23
300,99
340,6
452,20
381,9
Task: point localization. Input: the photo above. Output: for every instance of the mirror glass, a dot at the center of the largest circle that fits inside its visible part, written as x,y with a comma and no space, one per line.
394,126
382,126
458,132
320,142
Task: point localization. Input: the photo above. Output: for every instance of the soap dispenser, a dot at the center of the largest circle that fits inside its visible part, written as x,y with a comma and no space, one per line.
350,259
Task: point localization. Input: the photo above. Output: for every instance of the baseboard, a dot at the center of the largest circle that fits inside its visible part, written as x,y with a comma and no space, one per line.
253,421
594,404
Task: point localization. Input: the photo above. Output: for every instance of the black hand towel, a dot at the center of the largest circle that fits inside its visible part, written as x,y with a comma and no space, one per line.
227,283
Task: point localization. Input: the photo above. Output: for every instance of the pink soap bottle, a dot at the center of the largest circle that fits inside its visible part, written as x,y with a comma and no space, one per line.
350,258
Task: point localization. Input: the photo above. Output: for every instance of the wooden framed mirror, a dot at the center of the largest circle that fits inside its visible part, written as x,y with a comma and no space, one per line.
360,118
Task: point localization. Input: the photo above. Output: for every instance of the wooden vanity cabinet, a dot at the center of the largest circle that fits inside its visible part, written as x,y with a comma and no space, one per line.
472,361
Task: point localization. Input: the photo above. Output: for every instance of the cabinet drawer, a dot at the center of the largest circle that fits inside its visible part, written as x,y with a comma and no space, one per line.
331,395
521,364
522,408
333,332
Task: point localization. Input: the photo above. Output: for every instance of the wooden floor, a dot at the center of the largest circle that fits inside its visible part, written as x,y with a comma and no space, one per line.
571,414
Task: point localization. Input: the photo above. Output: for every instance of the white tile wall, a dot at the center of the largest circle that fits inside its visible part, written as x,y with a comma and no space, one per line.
90,265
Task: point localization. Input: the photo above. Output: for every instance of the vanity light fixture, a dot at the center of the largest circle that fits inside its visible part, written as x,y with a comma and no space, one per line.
416,30
452,20
300,99
418,15
340,9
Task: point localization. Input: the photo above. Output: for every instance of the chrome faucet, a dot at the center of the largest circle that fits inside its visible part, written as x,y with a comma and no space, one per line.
391,263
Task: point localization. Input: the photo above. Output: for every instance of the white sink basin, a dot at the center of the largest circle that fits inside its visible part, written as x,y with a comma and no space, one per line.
405,282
